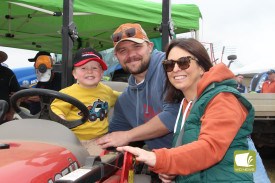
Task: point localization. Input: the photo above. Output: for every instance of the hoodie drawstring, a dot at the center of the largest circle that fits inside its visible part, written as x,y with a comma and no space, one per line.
147,98
147,103
137,109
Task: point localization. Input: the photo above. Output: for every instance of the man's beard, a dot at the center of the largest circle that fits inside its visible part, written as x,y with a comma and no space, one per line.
143,67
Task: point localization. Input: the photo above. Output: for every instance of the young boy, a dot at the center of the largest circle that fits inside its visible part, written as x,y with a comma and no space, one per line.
88,71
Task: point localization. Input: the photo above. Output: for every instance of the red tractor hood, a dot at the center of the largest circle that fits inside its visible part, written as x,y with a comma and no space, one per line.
32,162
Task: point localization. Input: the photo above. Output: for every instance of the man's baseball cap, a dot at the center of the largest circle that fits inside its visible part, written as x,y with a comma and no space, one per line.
3,56
271,71
131,32
84,55
38,54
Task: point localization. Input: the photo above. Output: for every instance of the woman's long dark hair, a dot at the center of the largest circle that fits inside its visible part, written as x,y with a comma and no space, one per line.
195,48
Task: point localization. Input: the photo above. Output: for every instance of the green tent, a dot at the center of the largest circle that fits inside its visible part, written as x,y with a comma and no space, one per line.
31,24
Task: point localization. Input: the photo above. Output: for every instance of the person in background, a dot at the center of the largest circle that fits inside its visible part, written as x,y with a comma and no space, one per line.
4,64
214,120
269,84
88,71
9,85
47,78
241,88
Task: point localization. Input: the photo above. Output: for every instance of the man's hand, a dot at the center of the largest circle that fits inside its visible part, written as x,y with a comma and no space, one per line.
114,139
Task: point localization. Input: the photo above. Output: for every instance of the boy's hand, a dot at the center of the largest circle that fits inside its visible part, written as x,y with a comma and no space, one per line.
9,116
62,116
33,98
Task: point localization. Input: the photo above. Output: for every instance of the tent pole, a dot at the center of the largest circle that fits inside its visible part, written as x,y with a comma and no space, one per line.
67,44
167,23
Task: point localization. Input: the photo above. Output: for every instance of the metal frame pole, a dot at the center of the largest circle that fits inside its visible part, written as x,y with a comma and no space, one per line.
67,44
166,20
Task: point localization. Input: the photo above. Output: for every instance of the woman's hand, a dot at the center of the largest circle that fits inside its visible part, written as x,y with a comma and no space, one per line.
166,178
147,157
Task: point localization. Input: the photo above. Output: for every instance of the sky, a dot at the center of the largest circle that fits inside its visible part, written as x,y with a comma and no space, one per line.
245,28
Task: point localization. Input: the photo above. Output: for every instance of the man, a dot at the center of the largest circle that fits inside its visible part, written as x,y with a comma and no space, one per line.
241,88
140,112
9,85
269,85
46,77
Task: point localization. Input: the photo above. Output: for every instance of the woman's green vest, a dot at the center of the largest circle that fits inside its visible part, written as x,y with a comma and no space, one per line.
223,171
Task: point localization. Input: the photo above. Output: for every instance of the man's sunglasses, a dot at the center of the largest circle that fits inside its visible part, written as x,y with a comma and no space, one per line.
183,63
128,33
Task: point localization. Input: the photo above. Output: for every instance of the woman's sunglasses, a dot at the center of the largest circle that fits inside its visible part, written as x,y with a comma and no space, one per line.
183,63
128,33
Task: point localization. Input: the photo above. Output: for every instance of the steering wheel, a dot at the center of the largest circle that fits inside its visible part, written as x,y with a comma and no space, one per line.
46,97
4,106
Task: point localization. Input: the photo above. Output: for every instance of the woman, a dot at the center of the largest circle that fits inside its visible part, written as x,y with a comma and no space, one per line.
214,117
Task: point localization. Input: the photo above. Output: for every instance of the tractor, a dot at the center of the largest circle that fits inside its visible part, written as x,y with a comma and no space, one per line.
42,148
